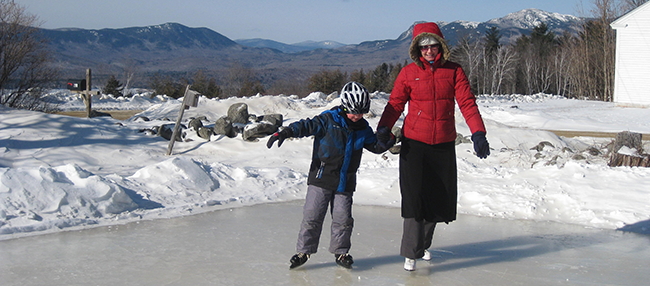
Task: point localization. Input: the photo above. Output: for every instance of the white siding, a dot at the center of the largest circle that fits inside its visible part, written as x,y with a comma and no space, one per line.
632,78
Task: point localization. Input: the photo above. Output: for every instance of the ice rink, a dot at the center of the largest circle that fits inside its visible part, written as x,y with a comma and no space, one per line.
252,246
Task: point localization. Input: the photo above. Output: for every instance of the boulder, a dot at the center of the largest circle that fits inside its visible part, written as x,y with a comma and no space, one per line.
195,123
167,130
238,113
258,130
205,132
223,126
275,119
460,139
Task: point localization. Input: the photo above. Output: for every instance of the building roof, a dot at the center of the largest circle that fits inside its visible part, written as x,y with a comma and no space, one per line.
624,20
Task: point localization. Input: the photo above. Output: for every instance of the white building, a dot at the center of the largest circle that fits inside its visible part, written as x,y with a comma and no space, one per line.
632,76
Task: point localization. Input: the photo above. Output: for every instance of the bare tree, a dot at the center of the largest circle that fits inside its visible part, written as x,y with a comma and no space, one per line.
468,54
629,5
607,11
24,70
130,68
503,69
242,81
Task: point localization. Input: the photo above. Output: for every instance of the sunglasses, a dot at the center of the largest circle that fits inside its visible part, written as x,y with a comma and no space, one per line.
429,47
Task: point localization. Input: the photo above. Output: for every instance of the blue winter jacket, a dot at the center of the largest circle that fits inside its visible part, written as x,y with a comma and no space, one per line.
337,148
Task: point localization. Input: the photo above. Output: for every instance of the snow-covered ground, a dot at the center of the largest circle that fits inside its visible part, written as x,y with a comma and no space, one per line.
62,173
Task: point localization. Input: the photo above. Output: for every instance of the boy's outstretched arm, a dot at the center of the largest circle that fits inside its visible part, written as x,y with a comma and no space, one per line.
279,136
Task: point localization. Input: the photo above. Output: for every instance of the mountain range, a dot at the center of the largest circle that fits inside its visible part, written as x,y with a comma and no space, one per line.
177,49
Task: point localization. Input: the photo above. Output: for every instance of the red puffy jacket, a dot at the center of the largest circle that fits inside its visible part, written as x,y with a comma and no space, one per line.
430,92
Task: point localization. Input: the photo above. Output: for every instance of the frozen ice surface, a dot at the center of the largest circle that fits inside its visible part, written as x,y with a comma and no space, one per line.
252,246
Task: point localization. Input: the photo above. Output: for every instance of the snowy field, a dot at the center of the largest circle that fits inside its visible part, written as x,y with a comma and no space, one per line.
62,173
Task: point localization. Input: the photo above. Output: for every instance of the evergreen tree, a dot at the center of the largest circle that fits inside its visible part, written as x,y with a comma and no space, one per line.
358,76
205,85
542,40
378,78
492,38
114,87
327,81
392,76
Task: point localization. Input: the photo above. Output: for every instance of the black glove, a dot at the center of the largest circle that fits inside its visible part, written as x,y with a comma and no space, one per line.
481,145
279,136
383,134
385,138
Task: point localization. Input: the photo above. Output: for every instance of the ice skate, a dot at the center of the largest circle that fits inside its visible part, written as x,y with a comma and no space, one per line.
298,259
344,260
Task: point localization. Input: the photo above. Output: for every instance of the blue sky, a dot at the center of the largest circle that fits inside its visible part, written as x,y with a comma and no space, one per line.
287,21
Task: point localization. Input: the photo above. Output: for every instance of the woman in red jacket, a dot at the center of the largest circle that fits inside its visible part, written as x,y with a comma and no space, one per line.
428,157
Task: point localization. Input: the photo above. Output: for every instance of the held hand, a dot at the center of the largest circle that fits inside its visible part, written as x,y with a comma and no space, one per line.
383,134
386,145
385,139
481,145
279,136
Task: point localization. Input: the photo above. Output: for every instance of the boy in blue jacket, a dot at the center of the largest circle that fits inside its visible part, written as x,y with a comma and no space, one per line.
340,134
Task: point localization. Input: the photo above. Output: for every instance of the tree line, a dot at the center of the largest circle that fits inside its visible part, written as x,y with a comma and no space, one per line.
575,66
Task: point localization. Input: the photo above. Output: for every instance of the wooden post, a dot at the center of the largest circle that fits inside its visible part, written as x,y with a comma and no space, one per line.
86,95
178,122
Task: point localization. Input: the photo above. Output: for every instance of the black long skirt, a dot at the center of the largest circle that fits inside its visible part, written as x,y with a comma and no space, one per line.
428,181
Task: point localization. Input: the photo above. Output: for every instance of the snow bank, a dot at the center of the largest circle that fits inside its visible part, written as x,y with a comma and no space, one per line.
59,172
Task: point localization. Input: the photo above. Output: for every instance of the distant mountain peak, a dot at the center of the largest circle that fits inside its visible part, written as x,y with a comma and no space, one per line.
289,48
530,18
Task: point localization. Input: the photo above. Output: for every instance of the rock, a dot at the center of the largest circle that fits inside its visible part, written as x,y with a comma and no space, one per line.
275,119
578,157
541,146
205,132
593,151
195,123
166,131
223,126
238,113
460,139
397,132
332,96
258,130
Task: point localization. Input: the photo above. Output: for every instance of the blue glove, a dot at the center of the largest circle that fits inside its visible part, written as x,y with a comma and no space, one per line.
279,136
481,145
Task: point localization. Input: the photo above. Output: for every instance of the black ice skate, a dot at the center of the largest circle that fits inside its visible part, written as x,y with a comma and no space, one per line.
298,259
344,260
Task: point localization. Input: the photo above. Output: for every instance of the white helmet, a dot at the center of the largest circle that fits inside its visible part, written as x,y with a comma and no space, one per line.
355,98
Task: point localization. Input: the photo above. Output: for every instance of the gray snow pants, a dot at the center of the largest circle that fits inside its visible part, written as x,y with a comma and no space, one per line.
313,215
416,237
